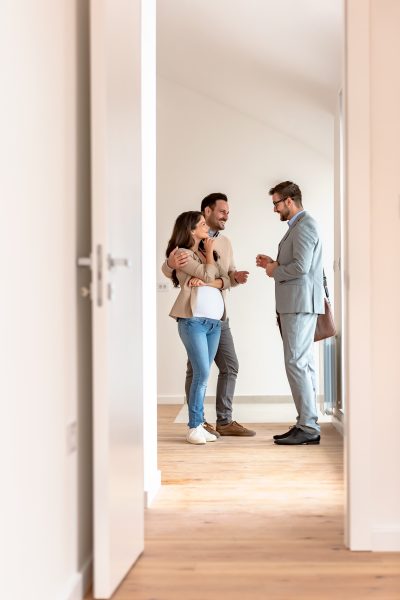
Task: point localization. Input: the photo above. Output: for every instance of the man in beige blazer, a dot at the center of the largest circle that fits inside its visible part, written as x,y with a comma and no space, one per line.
216,212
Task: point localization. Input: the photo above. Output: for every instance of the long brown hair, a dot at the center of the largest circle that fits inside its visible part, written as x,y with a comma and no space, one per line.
182,236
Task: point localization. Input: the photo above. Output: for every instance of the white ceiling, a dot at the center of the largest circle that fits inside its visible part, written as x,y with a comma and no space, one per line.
278,61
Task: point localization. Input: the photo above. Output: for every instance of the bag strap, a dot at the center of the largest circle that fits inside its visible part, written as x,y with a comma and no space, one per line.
324,280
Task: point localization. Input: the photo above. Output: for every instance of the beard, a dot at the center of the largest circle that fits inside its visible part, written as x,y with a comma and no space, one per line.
284,215
216,225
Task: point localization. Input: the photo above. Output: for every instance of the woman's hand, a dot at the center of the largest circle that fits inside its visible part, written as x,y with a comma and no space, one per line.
195,282
209,248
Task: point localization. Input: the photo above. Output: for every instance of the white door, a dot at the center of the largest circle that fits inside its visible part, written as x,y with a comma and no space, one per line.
116,290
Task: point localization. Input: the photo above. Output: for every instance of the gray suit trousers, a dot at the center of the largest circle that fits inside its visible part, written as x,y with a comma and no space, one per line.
298,346
228,366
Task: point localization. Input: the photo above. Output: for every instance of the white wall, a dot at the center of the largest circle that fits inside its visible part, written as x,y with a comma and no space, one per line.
152,476
45,326
385,216
372,273
205,146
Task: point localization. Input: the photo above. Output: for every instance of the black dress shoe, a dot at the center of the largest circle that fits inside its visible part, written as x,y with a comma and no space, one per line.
299,437
281,436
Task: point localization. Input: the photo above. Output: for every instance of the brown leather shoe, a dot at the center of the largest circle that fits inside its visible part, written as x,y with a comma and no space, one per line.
235,428
208,427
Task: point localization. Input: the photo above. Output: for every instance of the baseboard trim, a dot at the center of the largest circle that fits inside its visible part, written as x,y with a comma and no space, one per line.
338,425
154,488
79,583
238,399
170,400
386,539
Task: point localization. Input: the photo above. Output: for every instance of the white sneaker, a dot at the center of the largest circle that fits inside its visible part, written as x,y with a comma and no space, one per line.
196,435
208,436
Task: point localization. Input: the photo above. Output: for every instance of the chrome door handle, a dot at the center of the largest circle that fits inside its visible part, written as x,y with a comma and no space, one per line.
118,262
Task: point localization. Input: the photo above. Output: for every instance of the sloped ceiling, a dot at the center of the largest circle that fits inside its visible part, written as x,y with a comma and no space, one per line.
279,61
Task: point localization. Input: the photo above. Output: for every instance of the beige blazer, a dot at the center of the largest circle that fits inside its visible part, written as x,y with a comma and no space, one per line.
186,300
223,247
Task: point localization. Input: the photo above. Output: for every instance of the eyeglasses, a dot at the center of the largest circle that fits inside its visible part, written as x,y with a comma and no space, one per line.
275,202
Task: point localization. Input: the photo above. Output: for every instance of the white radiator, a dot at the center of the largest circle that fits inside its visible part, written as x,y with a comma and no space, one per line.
330,376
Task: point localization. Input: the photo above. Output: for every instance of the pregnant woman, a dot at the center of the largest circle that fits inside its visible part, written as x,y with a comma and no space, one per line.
198,310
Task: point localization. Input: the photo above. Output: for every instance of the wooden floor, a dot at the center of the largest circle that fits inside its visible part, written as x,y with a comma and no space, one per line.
242,519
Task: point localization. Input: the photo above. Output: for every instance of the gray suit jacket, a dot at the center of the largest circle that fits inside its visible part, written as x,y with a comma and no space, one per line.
299,277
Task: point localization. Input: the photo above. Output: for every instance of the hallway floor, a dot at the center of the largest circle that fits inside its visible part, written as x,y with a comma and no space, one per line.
242,519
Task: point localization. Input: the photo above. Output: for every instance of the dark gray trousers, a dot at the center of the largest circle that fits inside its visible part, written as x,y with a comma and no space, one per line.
228,365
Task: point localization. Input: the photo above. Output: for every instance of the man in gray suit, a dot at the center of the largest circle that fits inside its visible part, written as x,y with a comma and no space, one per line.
299,295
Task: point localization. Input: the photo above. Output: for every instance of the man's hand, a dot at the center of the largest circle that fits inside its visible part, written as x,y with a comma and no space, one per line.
176,259
262,260
195,282
241,276
271,268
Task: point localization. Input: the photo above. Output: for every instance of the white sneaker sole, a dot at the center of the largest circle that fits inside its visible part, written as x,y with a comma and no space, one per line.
196,442
196,436
210,437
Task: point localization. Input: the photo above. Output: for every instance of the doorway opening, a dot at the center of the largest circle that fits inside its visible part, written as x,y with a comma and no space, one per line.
238,111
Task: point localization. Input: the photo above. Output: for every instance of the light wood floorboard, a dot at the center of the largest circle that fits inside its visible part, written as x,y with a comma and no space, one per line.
243,519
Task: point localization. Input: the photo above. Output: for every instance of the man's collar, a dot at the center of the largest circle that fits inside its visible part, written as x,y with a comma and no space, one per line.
213,234
295,217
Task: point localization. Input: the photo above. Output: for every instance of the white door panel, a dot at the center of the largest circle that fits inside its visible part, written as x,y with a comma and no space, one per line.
116,291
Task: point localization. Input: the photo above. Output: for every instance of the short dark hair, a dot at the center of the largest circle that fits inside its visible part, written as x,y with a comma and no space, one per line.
287,189
212,199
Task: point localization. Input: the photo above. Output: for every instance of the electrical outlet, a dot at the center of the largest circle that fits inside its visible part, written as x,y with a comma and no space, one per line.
72,437
162,287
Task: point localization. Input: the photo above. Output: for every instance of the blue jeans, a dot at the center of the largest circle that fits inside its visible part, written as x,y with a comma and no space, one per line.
201,338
